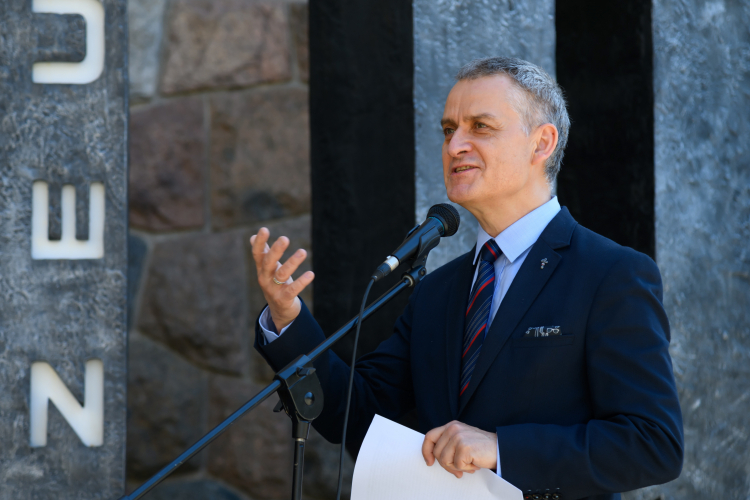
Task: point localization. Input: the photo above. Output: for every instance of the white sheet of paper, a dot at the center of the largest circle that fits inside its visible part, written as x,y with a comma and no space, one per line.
390,467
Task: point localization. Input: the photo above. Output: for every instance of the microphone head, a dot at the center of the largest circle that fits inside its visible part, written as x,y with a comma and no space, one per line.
447,215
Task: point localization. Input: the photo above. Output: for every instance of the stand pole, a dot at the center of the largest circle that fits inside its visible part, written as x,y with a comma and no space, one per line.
299,466
298,388
300,433
203,442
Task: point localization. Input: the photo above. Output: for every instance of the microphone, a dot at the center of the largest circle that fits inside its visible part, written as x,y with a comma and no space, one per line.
442,220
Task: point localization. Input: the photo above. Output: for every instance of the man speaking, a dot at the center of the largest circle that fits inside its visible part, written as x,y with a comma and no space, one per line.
542,353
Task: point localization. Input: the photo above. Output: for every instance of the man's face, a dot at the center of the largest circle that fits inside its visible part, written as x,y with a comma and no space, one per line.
486,153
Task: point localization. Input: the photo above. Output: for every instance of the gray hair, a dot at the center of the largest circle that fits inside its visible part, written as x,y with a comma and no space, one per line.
543,99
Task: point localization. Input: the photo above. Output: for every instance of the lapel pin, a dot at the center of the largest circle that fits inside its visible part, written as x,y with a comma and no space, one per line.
544,263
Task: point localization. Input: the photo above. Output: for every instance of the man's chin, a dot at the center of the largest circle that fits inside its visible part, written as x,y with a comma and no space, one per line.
460,196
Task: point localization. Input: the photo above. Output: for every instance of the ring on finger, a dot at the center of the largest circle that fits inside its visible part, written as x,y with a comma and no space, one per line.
277,281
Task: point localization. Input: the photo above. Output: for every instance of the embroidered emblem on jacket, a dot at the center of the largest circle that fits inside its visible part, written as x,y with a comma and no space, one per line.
542,331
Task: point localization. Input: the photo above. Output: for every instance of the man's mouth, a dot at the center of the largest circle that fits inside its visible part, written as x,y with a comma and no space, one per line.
462,168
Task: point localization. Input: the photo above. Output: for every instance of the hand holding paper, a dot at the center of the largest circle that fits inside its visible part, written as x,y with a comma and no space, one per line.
460,448
390,466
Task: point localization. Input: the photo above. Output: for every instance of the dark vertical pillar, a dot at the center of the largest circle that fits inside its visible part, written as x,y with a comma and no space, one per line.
604,64
362,152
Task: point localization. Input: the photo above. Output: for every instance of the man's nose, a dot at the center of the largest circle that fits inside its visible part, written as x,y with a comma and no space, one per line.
459,143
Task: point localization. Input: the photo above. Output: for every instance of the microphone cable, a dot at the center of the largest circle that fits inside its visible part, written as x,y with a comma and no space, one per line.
448,218
349,390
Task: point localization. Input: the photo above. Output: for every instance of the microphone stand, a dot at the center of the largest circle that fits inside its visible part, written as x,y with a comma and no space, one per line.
300,393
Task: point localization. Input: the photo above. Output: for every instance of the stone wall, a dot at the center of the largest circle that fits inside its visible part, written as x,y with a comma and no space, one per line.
219,147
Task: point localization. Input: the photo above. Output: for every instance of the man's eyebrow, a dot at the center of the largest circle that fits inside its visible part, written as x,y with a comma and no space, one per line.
473,118
481,116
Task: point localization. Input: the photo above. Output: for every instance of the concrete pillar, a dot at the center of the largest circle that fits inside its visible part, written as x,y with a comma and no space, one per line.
63,259
702,169
448,34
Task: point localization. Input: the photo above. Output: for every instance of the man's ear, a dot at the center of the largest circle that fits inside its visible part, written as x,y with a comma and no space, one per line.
546,142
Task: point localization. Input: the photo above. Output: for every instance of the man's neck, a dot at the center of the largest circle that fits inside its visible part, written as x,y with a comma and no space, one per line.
494,218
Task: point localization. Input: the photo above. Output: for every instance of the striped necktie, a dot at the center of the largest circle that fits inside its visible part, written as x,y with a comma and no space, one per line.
478,312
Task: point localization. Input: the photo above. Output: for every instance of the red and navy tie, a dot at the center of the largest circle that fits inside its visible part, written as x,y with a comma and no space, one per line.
478,312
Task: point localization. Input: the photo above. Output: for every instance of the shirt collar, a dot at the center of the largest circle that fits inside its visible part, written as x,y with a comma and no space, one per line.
519,236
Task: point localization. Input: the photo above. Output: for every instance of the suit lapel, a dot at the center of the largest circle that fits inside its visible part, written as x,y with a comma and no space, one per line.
526,286
458,297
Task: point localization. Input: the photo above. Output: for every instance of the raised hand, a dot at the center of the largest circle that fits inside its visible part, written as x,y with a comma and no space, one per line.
275,279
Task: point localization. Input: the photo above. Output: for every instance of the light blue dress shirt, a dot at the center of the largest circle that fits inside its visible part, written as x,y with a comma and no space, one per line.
515,242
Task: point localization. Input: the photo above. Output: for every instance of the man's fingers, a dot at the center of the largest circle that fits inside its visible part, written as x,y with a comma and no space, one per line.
435,433
447,454
271,258
300,283
457,473
463,458
259,242
448,431
428,445
284,272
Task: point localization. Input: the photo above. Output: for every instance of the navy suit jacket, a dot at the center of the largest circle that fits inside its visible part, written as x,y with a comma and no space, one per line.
593,411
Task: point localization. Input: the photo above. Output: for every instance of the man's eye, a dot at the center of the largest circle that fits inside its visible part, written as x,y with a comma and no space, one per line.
481,125
448,131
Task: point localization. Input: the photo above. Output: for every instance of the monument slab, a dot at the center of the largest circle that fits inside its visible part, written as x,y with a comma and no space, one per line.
701,125
63,132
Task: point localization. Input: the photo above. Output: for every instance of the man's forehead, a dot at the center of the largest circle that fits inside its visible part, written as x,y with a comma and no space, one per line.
486,97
